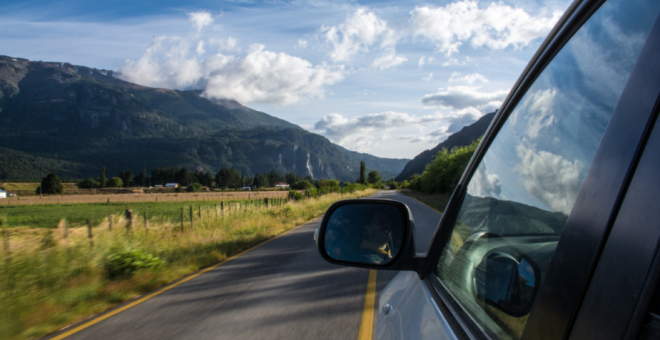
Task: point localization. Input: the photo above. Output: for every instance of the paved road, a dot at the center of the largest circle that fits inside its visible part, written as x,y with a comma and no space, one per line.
281,290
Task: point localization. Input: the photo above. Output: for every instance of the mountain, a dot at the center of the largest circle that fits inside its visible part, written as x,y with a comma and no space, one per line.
75,120
465,136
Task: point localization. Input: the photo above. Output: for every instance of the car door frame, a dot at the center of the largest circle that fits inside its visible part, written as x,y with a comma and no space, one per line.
596,207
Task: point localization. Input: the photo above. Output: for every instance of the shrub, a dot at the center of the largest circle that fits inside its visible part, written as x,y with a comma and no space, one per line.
115,182
123,265
296,195
444,172
302,185
195,187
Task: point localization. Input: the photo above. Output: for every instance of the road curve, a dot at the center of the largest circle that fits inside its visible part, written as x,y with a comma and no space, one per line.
280,290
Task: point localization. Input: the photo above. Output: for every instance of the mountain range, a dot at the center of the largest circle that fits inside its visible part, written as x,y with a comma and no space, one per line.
73,120
465,136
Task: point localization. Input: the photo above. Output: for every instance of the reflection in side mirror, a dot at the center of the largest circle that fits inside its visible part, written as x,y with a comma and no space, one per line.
508,283
364,233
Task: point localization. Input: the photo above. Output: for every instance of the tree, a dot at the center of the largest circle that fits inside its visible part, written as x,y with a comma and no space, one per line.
126,177
115,182
184,176
103,179
228,178
374,178
363,173
89,183
195,187
51,185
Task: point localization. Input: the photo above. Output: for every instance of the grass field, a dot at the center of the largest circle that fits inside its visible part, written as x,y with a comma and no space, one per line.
9,187
48,216
52,277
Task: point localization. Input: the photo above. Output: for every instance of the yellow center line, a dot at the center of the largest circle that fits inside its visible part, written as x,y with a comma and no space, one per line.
164,289
367,324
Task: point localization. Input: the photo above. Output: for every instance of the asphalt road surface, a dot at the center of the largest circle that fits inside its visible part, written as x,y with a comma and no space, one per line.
281,290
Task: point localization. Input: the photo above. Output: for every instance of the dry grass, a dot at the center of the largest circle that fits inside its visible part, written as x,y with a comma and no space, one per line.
54,277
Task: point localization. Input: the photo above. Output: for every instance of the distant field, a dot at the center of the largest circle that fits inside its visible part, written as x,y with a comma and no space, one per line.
167,209
133,198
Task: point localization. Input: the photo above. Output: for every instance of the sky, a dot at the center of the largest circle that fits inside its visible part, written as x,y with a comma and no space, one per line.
387,78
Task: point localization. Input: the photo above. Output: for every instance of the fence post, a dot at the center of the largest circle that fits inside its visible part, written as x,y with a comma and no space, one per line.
129,221
222,208
181,219
146,221
200,215
191,217
266,202
89,233
110,222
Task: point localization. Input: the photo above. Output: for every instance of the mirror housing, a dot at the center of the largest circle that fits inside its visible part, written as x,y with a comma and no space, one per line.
368,233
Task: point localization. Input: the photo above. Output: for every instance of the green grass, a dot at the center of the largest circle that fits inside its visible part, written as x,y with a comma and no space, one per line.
48,216
54,277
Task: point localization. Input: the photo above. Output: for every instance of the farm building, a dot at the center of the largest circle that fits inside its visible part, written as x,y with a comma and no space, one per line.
172,185
3,194
281,185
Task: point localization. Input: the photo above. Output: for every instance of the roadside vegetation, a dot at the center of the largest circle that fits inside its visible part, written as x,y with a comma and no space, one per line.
436,184
59,275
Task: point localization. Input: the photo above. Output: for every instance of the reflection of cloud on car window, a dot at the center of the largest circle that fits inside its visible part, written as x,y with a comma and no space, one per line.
549,177
485,184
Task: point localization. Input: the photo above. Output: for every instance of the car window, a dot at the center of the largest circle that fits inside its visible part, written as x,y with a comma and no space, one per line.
522,192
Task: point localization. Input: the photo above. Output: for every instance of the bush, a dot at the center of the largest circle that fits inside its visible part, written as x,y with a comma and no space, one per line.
89,183
444,172
115,182
302,185
195,187
296,195
123,265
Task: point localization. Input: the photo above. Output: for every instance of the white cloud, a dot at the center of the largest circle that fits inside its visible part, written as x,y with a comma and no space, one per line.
549,177
361,132
260,76
388,60
268,77
421,62
360,31
200,19
225,45
456,77
496,26
538,107
456,62
484,183
429,77
459,97
302,43
200,47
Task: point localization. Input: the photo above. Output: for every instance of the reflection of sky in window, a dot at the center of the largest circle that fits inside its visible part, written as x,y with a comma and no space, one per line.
544,150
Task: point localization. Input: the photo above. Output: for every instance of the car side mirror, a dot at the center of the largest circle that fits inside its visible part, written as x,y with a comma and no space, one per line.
369,233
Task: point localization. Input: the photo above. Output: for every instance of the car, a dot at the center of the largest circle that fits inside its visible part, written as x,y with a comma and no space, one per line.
553,231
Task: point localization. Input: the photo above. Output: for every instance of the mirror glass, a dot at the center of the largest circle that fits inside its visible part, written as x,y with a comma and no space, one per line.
368,233
506,283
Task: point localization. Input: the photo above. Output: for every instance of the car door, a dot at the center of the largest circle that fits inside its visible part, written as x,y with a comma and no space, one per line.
516,252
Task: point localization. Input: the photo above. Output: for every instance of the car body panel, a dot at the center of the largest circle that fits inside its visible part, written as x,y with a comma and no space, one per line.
413,313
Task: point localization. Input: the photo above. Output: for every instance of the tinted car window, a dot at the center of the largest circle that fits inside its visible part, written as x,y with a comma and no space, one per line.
522,192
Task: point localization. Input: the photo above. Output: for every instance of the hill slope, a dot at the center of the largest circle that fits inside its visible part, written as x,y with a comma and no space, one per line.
461,138
75,120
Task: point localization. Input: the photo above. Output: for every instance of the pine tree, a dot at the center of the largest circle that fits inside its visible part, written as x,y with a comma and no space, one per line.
363,173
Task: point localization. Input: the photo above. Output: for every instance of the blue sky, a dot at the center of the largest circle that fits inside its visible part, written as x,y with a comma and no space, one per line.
388,78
